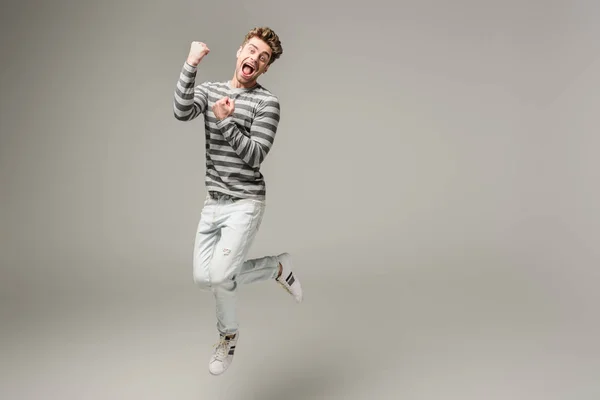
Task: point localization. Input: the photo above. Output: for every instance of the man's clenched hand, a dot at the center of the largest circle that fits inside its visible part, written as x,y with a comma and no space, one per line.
223,108
197,52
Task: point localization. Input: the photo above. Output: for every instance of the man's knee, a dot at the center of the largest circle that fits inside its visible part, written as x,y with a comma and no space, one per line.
201,280
201,273
219,278
213,274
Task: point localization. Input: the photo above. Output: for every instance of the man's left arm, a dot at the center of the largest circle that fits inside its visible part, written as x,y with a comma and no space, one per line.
253,149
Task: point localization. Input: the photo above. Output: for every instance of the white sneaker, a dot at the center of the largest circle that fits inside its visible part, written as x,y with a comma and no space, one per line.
223,354
288,279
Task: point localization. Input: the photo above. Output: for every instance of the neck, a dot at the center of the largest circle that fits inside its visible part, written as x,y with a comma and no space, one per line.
238,85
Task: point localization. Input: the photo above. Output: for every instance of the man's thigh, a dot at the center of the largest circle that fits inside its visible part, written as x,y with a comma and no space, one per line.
207,235
239,222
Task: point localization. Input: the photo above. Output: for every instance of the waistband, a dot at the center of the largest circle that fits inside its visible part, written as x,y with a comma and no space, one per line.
218,195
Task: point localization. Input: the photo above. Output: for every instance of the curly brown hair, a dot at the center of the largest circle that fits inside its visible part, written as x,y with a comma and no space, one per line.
268,36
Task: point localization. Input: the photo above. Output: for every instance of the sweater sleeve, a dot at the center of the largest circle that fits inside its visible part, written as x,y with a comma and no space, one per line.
189,100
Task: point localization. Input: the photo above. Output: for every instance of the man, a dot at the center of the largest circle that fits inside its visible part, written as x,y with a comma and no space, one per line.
240,120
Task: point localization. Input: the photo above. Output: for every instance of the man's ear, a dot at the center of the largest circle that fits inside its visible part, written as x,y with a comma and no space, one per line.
266,69
238,52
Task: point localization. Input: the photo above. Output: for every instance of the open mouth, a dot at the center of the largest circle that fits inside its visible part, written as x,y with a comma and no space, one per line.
247,69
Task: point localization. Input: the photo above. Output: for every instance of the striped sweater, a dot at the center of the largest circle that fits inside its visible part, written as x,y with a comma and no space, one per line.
237,145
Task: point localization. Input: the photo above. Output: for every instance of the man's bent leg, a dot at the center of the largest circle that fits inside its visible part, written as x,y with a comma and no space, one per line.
258,269
278,267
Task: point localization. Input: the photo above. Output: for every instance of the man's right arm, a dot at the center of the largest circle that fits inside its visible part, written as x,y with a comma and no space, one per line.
189,100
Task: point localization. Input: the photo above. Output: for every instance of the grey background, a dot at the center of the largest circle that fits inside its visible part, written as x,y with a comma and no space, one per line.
435,175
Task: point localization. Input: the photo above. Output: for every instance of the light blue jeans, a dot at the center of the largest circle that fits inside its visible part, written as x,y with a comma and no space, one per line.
226,230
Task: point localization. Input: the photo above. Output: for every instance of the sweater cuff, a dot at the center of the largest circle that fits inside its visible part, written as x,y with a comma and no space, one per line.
224,122
189,67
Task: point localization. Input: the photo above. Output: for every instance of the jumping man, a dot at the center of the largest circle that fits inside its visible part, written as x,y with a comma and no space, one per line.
240,121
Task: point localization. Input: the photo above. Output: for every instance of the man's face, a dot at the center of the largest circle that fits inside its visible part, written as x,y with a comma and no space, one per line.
252,61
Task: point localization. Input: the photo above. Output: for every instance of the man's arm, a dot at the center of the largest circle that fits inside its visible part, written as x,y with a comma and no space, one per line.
190,101
254,149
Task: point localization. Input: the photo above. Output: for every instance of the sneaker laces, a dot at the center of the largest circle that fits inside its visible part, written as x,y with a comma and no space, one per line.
222,348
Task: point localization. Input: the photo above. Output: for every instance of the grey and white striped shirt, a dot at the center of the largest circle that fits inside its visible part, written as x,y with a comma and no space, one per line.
237,145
